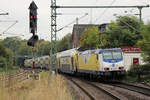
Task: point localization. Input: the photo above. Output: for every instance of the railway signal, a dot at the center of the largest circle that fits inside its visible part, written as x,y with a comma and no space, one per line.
32,40
33,17
33,23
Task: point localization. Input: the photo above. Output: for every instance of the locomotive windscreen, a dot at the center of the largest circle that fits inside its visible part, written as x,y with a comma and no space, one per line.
112,54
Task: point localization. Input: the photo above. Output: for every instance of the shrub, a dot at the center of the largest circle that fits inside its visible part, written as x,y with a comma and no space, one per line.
3,62
139,69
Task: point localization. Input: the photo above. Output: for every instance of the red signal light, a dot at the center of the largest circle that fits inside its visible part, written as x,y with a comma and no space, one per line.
31,17
122,68
34,17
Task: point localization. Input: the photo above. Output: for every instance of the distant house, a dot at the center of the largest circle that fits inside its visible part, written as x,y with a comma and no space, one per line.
79,29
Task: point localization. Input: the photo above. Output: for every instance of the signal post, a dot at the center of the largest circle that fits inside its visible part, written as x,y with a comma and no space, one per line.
33,40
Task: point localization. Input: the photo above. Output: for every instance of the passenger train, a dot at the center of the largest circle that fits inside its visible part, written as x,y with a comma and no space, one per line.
103,63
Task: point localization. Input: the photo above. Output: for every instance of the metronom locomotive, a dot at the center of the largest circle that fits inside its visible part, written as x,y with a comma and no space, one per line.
101,63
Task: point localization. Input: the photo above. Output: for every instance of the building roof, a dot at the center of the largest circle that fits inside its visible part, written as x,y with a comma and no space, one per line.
131,49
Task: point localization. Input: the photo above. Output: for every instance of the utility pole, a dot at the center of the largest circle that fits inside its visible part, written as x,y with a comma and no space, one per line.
53,61
140,13
140,18
54,25
77,31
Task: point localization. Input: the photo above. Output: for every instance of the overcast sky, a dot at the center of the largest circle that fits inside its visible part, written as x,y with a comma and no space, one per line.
18,11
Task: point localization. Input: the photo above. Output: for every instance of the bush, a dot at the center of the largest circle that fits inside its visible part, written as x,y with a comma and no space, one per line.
145,67
7,54
139,69
3,63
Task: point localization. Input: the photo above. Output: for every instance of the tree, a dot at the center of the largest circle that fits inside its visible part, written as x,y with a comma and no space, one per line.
124,32
118,37
24,49
65,43
43,48
93,38
3,62
12,43
7,54
144,44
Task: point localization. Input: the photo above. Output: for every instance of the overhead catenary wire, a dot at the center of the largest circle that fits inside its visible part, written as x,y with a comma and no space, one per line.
128,24
104,11
10,26
72,22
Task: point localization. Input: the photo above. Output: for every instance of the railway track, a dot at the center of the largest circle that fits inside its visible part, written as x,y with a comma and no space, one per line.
125,92
108,91
11,79
92,91
131,87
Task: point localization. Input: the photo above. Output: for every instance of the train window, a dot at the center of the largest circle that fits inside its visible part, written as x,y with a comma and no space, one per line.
117,54
107,55
112,54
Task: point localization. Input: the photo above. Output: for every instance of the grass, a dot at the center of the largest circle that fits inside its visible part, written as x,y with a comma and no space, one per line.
37,89
8,71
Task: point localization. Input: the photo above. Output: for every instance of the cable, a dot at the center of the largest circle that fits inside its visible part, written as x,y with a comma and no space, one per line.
10,27
128,24
72,22
104,11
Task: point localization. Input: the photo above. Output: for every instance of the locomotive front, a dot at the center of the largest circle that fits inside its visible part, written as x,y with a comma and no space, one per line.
112,64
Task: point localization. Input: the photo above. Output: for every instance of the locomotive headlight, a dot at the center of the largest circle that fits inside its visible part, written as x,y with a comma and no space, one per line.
122,68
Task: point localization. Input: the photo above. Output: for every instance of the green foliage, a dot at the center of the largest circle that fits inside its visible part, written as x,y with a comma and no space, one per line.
3,62
129,22
124,32
144,44
43,48
12,43
7,54
10,57
18,50
117,36
139,73
24,49
139,69
65,43
92,38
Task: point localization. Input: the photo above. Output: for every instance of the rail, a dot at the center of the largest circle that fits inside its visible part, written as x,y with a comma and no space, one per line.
92,91
135,88
10,79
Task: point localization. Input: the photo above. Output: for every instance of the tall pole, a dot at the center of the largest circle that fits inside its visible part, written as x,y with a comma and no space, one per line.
140,14
77,31
53,62
140,20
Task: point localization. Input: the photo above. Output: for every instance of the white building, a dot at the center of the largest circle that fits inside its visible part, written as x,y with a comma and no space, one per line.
132,56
